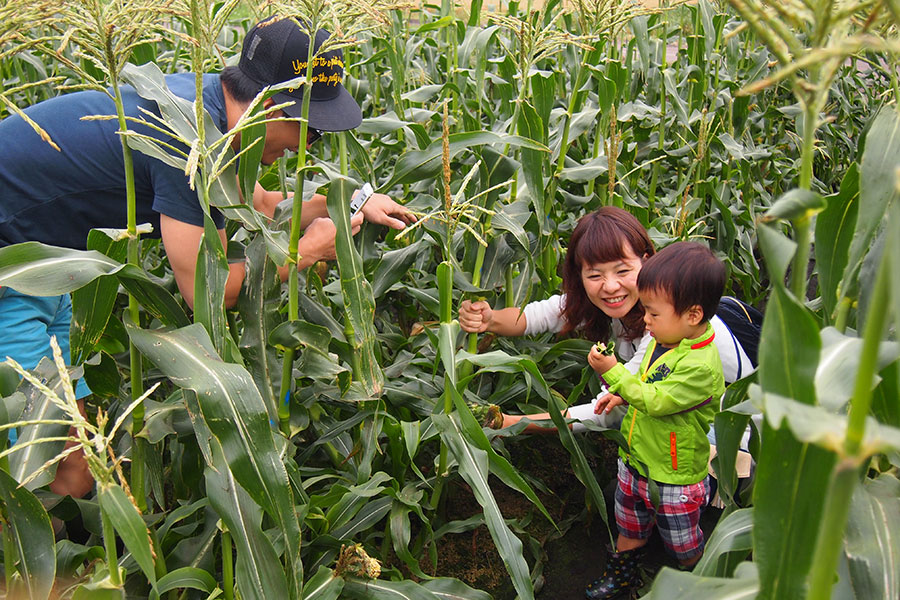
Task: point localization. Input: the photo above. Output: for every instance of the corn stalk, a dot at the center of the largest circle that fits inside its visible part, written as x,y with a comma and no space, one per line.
810,41
344,21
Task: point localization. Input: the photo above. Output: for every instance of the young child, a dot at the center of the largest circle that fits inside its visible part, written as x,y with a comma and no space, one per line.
671,403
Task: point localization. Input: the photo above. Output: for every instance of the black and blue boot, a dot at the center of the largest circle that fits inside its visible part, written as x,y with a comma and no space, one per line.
620,579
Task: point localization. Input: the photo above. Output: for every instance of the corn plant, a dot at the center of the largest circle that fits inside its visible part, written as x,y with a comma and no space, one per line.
344,21
119,513
810,43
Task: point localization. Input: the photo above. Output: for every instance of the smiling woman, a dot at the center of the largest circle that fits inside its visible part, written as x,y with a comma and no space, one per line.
600,298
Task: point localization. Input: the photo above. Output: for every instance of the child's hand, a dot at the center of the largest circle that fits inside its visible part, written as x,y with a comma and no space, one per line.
607,403
600,362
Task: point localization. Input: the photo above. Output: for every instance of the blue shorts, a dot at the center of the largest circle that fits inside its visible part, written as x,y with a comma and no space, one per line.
28,322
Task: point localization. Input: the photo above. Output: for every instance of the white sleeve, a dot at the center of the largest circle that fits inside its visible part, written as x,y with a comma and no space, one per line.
735,362
585,412
544,315
633,351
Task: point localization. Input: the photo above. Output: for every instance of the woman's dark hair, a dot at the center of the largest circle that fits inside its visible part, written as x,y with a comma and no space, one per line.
605,235
239,86
689,274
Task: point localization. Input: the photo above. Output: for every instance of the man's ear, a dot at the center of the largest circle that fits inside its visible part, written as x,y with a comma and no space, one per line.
267,103
695,314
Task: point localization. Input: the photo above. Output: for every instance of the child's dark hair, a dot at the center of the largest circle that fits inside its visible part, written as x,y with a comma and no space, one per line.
601,236
688,273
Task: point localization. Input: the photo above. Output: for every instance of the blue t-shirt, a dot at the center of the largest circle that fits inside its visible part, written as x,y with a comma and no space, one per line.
56,197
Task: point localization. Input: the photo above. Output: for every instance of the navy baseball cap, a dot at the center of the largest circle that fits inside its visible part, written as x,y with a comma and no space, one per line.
277,50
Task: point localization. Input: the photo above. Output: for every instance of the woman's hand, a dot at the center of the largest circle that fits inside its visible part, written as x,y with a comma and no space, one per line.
606,403
475,317
380,209
600,362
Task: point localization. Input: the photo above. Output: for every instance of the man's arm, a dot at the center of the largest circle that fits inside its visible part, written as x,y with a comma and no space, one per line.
265,202
380,209
182,243
182,240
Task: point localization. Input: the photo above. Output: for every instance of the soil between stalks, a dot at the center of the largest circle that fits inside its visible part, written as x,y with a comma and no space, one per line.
571,561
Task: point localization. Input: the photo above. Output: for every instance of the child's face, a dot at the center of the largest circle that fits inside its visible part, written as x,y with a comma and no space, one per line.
666,325
612,286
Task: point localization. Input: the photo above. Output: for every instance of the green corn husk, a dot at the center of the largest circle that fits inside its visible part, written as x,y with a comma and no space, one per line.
606,349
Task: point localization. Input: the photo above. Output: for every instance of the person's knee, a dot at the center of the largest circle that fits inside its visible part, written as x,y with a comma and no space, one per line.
690,562
73,477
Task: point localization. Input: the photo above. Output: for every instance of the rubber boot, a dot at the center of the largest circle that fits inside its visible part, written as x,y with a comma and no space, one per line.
620,578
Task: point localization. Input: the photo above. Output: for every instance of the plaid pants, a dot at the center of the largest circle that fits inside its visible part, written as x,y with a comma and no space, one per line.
677,517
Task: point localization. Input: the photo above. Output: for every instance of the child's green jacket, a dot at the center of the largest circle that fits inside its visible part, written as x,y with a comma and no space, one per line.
671,406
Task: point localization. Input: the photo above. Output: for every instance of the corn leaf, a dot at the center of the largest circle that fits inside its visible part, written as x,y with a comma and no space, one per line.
258,308
252,143
580,465
839,364
92,304
836,225
324,585
820,426
393,265
378,589
731,540
892,247
877,190
533,160
129,525
872,542
235,414
31,534
31,458
400,533
729,427
794,204
446,588
41,270
184,578
417,165
778,250
210,276
473,466
359,301
787,516
672,584
258,570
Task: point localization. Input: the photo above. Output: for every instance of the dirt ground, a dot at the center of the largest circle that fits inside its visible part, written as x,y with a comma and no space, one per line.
567,560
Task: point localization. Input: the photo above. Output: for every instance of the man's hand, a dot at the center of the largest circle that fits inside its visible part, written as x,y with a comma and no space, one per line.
475,317
380,209
600,362
317,242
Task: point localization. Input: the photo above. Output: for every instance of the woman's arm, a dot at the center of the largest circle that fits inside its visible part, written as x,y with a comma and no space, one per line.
478,317
537,317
